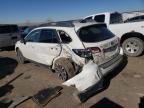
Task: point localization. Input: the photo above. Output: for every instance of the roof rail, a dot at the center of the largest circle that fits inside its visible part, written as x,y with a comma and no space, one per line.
70,23
59,24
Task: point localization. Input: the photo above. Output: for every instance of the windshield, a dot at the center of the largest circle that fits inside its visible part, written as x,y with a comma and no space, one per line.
95,33
116,18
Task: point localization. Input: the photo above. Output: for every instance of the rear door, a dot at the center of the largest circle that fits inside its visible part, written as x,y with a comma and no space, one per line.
48,46
27,49
5,36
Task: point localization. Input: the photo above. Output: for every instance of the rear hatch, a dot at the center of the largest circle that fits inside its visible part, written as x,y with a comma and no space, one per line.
103,44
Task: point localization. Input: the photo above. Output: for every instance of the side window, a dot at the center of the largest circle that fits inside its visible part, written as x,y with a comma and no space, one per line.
48,36
100,18
134,19
64,37
33,36
116,18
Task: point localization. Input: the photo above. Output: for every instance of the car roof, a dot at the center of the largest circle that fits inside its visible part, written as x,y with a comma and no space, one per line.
66,25
58,24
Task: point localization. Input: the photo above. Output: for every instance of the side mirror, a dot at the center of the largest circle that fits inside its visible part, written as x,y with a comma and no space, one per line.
22,40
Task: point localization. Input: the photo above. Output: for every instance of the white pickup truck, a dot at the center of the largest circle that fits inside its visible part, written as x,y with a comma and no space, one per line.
130,32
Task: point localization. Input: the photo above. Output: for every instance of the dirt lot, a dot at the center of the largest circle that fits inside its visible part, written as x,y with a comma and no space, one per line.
124,90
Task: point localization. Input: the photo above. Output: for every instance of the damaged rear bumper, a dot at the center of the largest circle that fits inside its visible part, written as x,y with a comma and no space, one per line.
111,65
104,69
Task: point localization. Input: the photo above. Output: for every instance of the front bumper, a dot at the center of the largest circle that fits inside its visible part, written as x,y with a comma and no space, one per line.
110,65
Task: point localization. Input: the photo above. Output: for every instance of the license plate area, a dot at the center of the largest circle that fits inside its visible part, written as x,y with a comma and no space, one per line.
110,55
110,52
110,49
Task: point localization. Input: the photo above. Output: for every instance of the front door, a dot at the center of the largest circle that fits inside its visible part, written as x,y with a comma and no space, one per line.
27,48
48,46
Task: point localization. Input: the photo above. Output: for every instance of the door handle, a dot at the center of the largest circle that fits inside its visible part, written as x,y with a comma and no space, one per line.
54,48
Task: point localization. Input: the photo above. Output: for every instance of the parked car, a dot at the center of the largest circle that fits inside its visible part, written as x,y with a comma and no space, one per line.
66,47
9,35
131,33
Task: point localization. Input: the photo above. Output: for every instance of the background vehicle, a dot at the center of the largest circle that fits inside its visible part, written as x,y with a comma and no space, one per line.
130,32
67,47
135,19
9,35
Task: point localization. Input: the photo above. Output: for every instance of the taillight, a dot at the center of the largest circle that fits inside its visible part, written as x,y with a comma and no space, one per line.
95,50
83,52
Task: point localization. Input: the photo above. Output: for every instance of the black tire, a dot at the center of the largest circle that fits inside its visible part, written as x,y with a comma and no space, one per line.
133,46
64,69
20,57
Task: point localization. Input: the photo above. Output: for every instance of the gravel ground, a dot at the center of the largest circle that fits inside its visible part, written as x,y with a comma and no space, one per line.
124,90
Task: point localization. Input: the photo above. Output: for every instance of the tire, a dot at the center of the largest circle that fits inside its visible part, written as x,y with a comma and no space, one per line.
133,46
64,69
20,57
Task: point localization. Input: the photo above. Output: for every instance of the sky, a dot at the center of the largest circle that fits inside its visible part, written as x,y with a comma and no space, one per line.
19,11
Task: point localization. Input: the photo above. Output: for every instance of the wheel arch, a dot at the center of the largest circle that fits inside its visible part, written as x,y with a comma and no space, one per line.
131,34
58,58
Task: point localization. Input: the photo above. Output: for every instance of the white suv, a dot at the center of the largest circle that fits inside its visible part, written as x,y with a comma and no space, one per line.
66,47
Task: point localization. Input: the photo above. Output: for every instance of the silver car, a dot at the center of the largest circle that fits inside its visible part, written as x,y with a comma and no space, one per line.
9,35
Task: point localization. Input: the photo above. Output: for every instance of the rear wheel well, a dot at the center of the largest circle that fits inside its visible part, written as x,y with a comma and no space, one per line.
61,59
77,67
67,65
132,34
